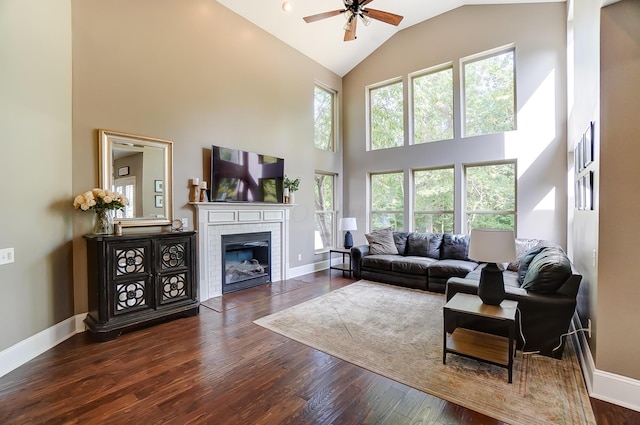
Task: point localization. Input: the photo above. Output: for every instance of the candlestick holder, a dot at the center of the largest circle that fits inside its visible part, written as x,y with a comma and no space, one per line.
194,192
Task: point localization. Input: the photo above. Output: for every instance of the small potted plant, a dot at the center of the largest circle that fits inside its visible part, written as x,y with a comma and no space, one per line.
290,186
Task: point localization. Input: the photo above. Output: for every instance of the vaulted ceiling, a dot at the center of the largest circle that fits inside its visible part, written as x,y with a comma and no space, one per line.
323,42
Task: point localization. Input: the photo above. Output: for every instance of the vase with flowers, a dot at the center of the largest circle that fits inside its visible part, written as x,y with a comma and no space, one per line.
290,186
104,203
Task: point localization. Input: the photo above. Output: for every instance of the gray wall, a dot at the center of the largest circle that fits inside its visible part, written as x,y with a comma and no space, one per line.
539,144
35,166
195,73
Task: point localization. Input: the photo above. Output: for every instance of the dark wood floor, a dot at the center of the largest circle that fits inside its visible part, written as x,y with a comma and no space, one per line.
220,368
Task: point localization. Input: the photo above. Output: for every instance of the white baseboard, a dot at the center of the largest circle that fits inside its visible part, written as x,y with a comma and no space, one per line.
606,386
307,268
18,354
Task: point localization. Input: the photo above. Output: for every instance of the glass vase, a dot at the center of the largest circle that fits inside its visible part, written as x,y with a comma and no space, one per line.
103,222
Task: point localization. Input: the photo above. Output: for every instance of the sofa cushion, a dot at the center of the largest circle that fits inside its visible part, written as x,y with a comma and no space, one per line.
424,244
412,265
455,247
451,268
380,262
526,259
522,246
400,239
547,271
381,242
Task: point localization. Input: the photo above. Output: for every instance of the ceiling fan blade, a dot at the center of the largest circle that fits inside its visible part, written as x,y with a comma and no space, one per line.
386,17
350,34
319,16
365,2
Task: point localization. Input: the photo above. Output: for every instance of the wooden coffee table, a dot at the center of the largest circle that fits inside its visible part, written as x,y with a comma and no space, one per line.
493,349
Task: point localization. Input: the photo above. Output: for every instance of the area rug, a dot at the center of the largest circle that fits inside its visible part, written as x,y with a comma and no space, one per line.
397,332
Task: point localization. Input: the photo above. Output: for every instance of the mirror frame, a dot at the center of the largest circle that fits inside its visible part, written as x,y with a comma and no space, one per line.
106,140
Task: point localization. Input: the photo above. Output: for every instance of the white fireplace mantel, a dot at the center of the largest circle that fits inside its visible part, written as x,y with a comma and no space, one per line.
214,219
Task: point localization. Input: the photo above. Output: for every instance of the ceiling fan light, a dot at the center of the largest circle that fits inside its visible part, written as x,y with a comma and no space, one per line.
365,19
347,26
287,6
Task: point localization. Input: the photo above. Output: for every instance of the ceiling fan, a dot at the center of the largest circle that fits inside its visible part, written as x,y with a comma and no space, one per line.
354,9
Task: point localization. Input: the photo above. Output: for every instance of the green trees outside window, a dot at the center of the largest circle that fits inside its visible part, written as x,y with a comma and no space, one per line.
433,106
387,201
325,211
323,114
386,116
433,200
491,196
490,95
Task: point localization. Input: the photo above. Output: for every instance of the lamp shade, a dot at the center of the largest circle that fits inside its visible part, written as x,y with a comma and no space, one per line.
492,245
348,223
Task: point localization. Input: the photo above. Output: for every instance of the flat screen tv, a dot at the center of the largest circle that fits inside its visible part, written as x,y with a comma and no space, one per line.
240,176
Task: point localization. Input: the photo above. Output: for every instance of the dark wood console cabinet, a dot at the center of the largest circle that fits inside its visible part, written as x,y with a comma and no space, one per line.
135,280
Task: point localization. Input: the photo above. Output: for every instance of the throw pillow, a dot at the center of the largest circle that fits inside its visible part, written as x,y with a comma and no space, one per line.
522,246
400,239
526,259
424,245
381,242
548,271
455,247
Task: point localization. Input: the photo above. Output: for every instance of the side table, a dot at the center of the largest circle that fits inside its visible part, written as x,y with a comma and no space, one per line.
493,349
344,267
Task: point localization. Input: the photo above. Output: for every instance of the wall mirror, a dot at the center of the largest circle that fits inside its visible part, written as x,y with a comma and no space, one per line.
140,168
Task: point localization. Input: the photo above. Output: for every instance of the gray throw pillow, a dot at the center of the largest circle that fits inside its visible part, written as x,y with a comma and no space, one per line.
548,271
522,246
381,242
400,238
526,259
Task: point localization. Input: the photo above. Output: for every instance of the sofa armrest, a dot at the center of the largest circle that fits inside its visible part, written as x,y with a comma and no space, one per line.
357,252
544,317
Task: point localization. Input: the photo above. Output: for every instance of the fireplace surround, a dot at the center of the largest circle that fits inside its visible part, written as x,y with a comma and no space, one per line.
215,219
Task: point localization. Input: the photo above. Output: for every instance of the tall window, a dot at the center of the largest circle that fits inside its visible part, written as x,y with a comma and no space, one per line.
386,116
323,118
489,94
491,196
387,201
433,200
433,106
325,211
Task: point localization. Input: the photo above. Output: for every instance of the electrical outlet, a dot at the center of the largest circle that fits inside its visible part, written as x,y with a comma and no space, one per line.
589,327
299,257
185,223
6,256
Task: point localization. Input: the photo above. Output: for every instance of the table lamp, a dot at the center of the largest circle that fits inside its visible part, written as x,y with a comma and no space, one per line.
348,223
492,246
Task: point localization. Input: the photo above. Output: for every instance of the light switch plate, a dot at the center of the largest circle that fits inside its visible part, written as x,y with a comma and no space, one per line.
6,256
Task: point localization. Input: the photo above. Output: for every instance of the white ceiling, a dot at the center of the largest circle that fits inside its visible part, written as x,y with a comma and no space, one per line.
322,40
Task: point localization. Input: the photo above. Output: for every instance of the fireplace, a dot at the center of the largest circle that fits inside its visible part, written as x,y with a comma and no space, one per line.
246,260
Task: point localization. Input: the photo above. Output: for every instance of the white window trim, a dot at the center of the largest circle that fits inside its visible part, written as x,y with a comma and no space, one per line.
368,89
335,115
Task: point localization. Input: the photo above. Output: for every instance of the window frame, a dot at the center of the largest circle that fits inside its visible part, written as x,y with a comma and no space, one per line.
414,196
412,101
333,212
372,212
513,212
487,54
369,127
334,116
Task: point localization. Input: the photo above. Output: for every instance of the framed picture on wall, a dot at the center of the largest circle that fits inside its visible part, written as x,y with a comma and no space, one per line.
159,201
159,186
123,171
588,144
